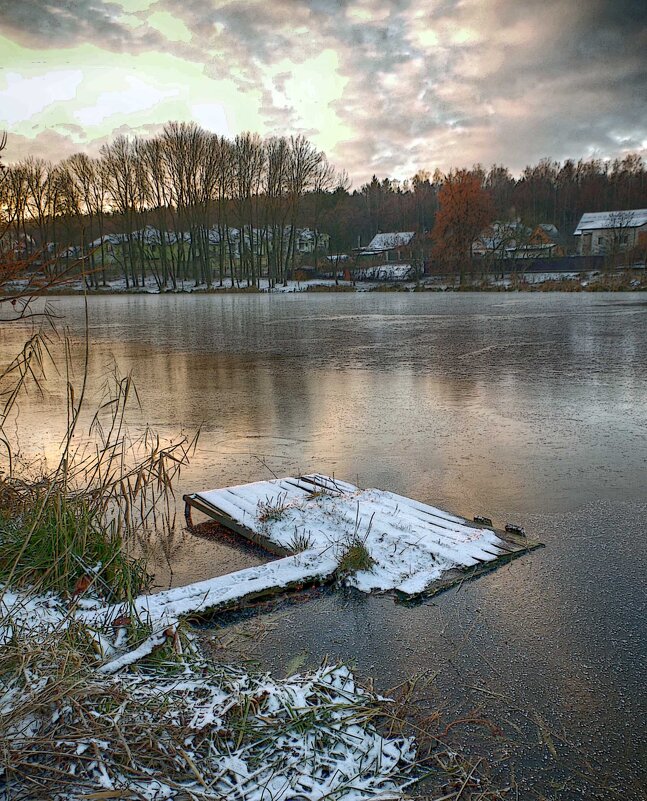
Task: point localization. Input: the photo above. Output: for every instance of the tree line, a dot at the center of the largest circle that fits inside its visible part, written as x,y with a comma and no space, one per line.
189,204
184,205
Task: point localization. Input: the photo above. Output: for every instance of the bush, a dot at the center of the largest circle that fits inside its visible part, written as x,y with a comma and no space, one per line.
354,557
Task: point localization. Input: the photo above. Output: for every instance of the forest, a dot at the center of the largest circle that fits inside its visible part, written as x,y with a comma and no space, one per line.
188,204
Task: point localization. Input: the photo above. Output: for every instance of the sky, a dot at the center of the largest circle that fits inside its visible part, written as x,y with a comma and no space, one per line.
386,88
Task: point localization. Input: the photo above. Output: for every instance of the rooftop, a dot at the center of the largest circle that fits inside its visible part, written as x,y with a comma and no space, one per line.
630,218
394,239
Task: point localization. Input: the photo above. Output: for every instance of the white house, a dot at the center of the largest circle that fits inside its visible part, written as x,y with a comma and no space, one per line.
392,246
608,232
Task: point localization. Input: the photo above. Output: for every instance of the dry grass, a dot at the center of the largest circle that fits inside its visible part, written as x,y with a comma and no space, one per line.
353,558
270,509
185,727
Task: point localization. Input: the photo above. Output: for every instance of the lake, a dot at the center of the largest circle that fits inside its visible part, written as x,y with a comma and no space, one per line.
529,408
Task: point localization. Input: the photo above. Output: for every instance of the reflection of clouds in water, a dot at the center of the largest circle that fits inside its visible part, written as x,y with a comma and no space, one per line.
531,425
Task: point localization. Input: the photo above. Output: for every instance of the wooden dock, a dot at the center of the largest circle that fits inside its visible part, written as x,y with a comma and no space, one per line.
416,550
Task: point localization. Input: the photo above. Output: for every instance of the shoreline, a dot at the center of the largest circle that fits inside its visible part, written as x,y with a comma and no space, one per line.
625,281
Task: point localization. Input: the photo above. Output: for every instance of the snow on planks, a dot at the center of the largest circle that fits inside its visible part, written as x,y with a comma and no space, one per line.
416,549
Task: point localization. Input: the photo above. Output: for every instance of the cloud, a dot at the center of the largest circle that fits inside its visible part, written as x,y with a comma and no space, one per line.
385,86
135,96
23,97
211,116
66,23
492,82
49,144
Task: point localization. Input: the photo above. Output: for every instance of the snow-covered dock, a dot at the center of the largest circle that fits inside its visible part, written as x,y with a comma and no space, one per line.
414,549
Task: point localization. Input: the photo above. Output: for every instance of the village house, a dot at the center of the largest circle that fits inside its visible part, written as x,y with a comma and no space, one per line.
308,241
388,257
511,239
545,241
396,246
609,232
501,239
19,245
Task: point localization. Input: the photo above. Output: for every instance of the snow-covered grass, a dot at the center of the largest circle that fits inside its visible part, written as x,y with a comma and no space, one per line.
168,724
195,731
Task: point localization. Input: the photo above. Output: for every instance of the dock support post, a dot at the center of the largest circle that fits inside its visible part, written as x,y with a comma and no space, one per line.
187,513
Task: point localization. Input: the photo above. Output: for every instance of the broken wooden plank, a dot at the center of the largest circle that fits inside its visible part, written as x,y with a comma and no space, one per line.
195,502
224,593
412,546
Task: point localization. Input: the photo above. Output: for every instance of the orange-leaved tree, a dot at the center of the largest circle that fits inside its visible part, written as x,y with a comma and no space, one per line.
465,209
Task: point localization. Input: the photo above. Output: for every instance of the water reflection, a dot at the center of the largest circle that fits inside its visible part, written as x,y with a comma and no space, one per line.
478,403
525,407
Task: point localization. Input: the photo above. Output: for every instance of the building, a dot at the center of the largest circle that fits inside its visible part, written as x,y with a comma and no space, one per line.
501,240
511,239
396,246
545,241
308,241
603,233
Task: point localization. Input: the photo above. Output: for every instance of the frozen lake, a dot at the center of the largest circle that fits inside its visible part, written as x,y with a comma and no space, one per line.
531,408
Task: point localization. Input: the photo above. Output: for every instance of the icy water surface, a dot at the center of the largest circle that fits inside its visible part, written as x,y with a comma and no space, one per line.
530,408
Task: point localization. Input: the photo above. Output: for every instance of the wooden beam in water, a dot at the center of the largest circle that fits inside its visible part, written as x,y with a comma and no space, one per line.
457,576
195,502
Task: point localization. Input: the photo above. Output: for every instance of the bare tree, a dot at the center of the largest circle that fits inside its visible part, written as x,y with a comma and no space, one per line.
249,164
122,177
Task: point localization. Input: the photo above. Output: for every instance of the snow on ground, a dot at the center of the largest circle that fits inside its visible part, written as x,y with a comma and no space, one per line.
152,287
196,731
412,544
540,278
386,272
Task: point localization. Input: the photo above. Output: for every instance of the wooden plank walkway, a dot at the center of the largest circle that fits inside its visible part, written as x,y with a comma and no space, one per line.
416,549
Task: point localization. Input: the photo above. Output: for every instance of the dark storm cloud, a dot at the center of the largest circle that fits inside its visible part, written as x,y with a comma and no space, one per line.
554,79
65,23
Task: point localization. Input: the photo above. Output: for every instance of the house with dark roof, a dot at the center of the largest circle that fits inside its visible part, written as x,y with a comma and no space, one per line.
609,232
546,241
